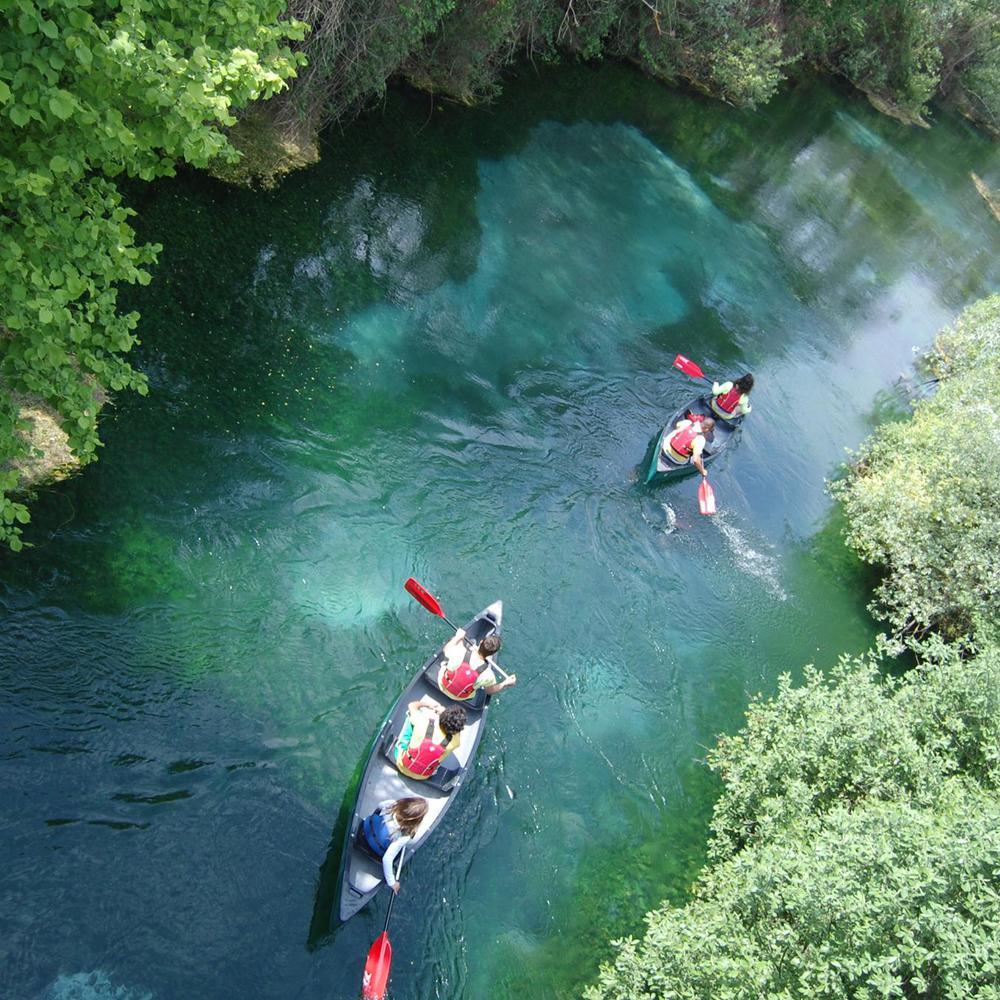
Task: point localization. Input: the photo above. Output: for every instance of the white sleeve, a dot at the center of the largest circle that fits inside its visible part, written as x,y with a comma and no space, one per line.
390,855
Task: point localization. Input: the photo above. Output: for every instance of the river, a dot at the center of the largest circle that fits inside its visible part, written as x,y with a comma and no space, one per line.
441,353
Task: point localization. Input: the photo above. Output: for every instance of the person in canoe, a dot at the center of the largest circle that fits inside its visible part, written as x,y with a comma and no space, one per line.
465,668
686,442
730,399
430,734
389,829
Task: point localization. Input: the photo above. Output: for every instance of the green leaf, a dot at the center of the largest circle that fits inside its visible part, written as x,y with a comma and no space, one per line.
62,104
15,543
19,116
59,164
4,92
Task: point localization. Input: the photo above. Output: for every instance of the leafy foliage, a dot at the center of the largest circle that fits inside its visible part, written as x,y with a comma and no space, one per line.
902,52
923,501
855,849
852,737
89,91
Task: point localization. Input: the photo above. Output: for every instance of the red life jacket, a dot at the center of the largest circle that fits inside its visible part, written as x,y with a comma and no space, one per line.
727,402
423,761
460,683
682,441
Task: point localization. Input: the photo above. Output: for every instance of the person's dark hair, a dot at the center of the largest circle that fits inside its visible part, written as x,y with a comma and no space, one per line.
452,720
489,646
744,383
409,813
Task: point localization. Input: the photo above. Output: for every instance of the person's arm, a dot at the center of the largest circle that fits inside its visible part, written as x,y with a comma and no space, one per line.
745,406
508,682
430,704
456,644
697,447
720,387
388,870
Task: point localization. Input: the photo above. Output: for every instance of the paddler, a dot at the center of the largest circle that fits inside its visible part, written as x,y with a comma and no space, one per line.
729,399
389,829
466,668
430,734
686,441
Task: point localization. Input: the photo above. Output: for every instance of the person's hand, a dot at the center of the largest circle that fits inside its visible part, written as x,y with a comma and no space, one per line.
395,887
510,681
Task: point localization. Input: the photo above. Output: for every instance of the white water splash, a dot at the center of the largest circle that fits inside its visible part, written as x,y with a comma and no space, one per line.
671,519
750,560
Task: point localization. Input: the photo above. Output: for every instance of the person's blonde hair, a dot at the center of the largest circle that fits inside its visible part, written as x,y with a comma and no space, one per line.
409,813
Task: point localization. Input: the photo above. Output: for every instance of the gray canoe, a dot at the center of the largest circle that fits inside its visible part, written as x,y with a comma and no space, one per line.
360,872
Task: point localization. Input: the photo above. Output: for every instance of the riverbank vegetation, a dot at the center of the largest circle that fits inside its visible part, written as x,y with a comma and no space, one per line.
923,503
854,846
89,93
903,53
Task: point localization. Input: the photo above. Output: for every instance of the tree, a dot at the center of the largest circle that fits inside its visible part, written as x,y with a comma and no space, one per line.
89,91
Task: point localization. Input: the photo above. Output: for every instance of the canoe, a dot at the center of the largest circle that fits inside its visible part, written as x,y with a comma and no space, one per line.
661,467
361,872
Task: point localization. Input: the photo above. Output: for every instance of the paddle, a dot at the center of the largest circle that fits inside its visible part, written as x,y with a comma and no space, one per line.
376,976
687,366
430,603
706,497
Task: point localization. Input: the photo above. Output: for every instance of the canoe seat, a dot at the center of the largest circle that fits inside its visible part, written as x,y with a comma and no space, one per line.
446,775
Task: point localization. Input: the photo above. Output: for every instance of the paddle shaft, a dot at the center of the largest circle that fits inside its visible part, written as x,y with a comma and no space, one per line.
493,663
430,602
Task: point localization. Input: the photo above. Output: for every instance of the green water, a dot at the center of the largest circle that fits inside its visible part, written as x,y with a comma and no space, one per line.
441,353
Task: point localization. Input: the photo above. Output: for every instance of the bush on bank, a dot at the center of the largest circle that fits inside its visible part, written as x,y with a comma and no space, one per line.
855,848
923,500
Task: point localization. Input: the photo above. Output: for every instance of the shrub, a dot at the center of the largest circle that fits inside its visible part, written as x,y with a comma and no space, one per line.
923,501
855,848
887,900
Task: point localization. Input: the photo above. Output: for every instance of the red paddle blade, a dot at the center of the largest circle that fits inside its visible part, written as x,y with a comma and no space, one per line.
687,366
427,600
377,968
706,497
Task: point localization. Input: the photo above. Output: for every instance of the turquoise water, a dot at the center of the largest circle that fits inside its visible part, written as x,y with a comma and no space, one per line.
441,353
